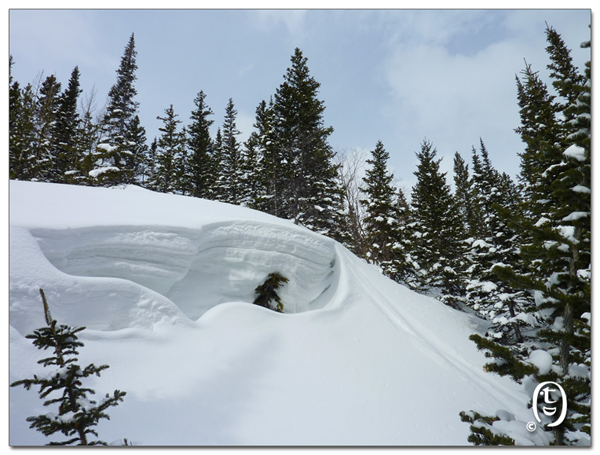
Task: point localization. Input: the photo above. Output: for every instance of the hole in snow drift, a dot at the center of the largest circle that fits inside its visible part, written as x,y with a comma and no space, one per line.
199,269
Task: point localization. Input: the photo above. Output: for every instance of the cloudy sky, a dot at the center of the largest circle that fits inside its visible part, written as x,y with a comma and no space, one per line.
399,76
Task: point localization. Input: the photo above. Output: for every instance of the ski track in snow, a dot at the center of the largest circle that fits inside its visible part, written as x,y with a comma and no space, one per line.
439,350
357,359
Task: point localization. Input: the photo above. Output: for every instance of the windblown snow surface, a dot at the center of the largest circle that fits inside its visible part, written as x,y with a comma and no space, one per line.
164,285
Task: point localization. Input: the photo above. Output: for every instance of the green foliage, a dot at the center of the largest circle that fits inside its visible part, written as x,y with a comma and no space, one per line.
505,363
552,225
118,135
200,166
170,155
266,293
383,215
230,167
77,415
481,433
436,251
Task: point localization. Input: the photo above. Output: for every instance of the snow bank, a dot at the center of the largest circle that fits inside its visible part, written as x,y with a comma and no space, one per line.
164,285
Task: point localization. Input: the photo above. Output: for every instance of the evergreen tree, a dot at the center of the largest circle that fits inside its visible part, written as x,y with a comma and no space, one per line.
266,293
251,181
138,147
77,414
230,181
436,253
114,152
89,131
554,257
312,195
149,166
201,166
44,122
67,142
268,176
493,242
463,193
382,218
169,154
21,129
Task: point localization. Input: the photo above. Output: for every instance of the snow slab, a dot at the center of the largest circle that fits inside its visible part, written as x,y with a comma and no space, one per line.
164,285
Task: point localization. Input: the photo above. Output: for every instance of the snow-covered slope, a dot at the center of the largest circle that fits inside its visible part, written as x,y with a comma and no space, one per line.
164,285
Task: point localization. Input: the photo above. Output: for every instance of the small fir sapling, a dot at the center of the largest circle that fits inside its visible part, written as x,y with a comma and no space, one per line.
267,292
77,415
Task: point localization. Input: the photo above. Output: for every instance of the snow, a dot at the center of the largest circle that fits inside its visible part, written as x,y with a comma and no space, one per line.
164,285
542,360
96,172
574,151
574,216
581,189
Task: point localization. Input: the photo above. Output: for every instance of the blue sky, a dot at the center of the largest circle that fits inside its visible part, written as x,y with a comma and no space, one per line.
398,76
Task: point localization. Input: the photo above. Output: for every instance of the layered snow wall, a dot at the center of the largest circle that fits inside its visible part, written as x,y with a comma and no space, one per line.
153,270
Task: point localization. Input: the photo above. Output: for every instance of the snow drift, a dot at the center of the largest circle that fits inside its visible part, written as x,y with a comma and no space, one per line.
164,285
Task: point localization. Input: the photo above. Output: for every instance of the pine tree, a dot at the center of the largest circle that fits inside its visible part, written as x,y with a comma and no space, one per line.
493,243
77,414
312,195
251,168
554,257
44,122
169,154
67,142
138,148
89,131
463,193
436,252
115,149
382,218
149,166
21,129
230,173
269,181
201,166
266,293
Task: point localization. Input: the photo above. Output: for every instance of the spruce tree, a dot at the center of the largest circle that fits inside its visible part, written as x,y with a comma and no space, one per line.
493,243
138,148
269,180
67,142
382,217
114,152
230,167
266,293
21,132
44,120
463,193
436,252
312,195
149,166
553,221
169,154
77,415
201,165
89,131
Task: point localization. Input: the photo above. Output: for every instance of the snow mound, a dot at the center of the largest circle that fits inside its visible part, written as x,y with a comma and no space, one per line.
164,285
198,269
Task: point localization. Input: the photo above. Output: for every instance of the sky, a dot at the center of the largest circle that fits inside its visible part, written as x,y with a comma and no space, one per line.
398,76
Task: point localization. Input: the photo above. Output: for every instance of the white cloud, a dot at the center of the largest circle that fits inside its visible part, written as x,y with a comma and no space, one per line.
292,20
454,99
